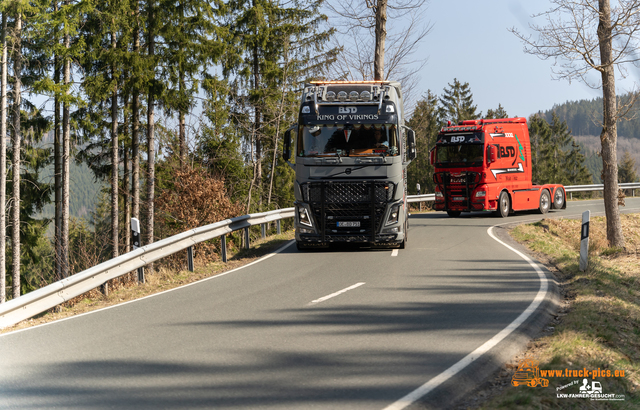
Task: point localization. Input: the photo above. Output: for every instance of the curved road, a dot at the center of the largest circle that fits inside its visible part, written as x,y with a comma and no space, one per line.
318,330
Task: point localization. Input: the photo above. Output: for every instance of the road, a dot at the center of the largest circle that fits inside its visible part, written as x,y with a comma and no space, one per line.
355,329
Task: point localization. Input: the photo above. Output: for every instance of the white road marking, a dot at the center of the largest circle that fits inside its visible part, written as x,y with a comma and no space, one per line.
394,252
322,299
423,390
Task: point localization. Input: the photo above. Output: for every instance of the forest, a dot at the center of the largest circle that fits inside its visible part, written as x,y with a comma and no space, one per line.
176,110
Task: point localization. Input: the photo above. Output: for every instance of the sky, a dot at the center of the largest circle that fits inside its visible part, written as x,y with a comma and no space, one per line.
470,41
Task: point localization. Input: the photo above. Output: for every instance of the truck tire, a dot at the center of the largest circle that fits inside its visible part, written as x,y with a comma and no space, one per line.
454,214
545,202
558,198
300,246
403,244
504,205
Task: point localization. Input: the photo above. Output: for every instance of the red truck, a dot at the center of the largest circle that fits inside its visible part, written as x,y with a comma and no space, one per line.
485,165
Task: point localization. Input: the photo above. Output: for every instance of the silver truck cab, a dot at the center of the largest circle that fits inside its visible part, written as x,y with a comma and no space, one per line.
350,150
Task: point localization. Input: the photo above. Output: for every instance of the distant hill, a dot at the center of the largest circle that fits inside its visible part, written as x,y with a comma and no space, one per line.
85,190
583,119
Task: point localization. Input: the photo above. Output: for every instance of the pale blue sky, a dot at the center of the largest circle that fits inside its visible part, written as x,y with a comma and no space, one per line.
471,42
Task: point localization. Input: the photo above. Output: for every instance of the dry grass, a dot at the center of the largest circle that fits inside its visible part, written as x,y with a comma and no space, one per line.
127,288
598,324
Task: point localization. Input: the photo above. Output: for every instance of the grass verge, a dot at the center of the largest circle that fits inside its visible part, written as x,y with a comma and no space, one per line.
126,288
596,327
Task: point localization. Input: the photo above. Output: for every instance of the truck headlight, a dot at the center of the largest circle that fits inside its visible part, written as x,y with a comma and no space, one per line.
481,194
303,217
393,215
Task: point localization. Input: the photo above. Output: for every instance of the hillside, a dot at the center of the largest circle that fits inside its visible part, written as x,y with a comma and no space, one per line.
583,118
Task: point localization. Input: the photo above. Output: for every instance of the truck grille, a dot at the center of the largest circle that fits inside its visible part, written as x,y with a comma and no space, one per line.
359,205
457,189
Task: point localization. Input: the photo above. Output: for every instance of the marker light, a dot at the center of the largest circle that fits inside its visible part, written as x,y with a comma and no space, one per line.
342,96
306,109
353,96
390,108
365,96
303,217
331,96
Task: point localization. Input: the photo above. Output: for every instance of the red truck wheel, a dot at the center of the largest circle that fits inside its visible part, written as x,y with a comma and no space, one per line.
545,202
504,205
558,198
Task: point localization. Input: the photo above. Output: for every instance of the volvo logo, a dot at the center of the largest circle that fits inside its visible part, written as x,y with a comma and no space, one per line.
347,171
347,110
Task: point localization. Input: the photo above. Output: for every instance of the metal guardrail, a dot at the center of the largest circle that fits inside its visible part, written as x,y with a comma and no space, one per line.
59,292
52,295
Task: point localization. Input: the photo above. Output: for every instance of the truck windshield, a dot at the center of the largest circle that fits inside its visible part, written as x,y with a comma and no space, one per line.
461,155
348,140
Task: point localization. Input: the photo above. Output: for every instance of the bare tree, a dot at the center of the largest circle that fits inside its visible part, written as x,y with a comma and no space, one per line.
582,36
371,50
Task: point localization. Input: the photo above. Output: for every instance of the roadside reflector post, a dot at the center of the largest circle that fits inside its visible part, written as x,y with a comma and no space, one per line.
584,241
190,258
278,227
246,238
223,246
263,230
136,242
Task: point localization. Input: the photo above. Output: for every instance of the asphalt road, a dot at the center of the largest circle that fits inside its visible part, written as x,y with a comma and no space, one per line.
356,329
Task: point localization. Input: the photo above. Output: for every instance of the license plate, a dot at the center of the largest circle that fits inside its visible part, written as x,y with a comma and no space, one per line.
349,224
458,198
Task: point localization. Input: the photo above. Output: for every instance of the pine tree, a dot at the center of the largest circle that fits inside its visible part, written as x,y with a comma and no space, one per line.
457,103
426,125
497,113
627,169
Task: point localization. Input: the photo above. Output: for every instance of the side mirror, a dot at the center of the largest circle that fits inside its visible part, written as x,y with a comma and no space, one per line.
411,144
432,156
492,154
286,149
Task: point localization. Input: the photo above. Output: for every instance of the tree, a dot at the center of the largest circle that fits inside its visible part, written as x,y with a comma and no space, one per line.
3,160
372,51
555,156
426,124
627,169
16,141
581,36
497,113
457,103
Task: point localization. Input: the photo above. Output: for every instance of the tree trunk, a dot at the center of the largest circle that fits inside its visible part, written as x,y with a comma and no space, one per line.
115,161
15,210
126,178
181,125
66,154
151,155
609,135
256,127
3,164
57,166
135,137
381,36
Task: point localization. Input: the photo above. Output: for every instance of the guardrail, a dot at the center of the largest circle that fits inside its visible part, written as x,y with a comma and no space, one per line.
59,292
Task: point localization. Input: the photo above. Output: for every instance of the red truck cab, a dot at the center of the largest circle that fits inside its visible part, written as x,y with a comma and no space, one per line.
485,165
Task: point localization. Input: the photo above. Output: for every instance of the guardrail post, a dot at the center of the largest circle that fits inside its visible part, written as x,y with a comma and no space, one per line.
263,231
584,241
246,238
137,242
223,246
278,228
190,258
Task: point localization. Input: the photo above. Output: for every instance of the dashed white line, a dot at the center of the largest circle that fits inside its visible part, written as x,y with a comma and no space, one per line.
394,252
322,299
